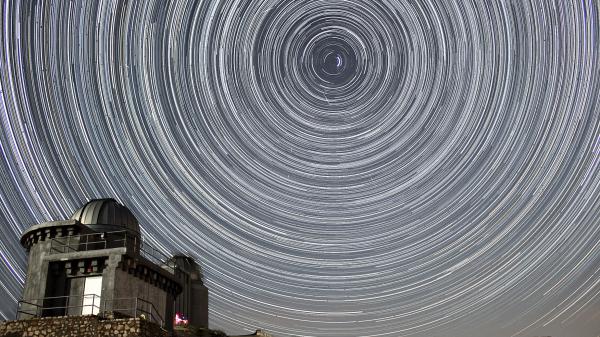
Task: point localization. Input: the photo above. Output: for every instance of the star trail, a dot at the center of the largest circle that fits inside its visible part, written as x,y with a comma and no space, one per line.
339,168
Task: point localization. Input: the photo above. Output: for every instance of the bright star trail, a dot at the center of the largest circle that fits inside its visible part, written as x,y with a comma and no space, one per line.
339,168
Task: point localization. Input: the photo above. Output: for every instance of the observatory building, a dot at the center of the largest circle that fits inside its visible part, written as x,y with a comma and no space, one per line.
96,263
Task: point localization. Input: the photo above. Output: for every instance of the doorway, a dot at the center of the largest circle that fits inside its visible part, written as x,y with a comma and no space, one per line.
92,291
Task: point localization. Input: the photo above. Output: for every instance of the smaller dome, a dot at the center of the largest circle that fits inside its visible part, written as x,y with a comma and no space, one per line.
187,264
107,215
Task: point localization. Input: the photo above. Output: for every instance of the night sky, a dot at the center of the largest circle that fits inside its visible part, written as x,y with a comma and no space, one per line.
339,168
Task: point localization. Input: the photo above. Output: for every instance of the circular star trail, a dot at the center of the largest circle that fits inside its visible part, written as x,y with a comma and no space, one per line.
339,168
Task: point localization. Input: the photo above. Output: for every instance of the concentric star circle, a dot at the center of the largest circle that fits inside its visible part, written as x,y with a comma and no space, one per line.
339,168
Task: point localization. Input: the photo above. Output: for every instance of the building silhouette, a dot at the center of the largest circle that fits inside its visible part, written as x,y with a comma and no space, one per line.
96,263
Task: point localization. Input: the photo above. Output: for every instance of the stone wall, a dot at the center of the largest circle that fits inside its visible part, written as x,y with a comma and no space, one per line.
81,326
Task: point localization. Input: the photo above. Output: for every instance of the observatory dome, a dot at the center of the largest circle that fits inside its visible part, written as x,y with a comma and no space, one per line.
107,215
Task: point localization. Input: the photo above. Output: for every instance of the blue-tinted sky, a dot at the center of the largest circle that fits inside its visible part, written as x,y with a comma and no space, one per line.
339,168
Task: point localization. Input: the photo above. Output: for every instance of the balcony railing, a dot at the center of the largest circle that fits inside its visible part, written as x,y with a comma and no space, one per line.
93,241
89,304
106,240
51,305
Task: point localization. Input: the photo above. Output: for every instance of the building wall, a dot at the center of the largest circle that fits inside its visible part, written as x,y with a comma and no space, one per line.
199,304
37,272
39,243
128,286
80,326
192,302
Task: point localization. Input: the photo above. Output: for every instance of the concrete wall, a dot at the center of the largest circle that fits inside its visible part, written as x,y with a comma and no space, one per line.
35,283
199,304
128,286
80,326
193,300
37,240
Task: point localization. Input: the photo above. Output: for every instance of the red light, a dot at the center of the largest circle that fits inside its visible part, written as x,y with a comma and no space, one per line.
180,319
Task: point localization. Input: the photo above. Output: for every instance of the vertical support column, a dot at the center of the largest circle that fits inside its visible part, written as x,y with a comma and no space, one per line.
110,283
169,314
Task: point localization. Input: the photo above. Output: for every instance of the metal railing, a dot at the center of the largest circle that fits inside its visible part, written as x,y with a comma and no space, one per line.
137,307
156,256
92,241
49,305
106,240
127,306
